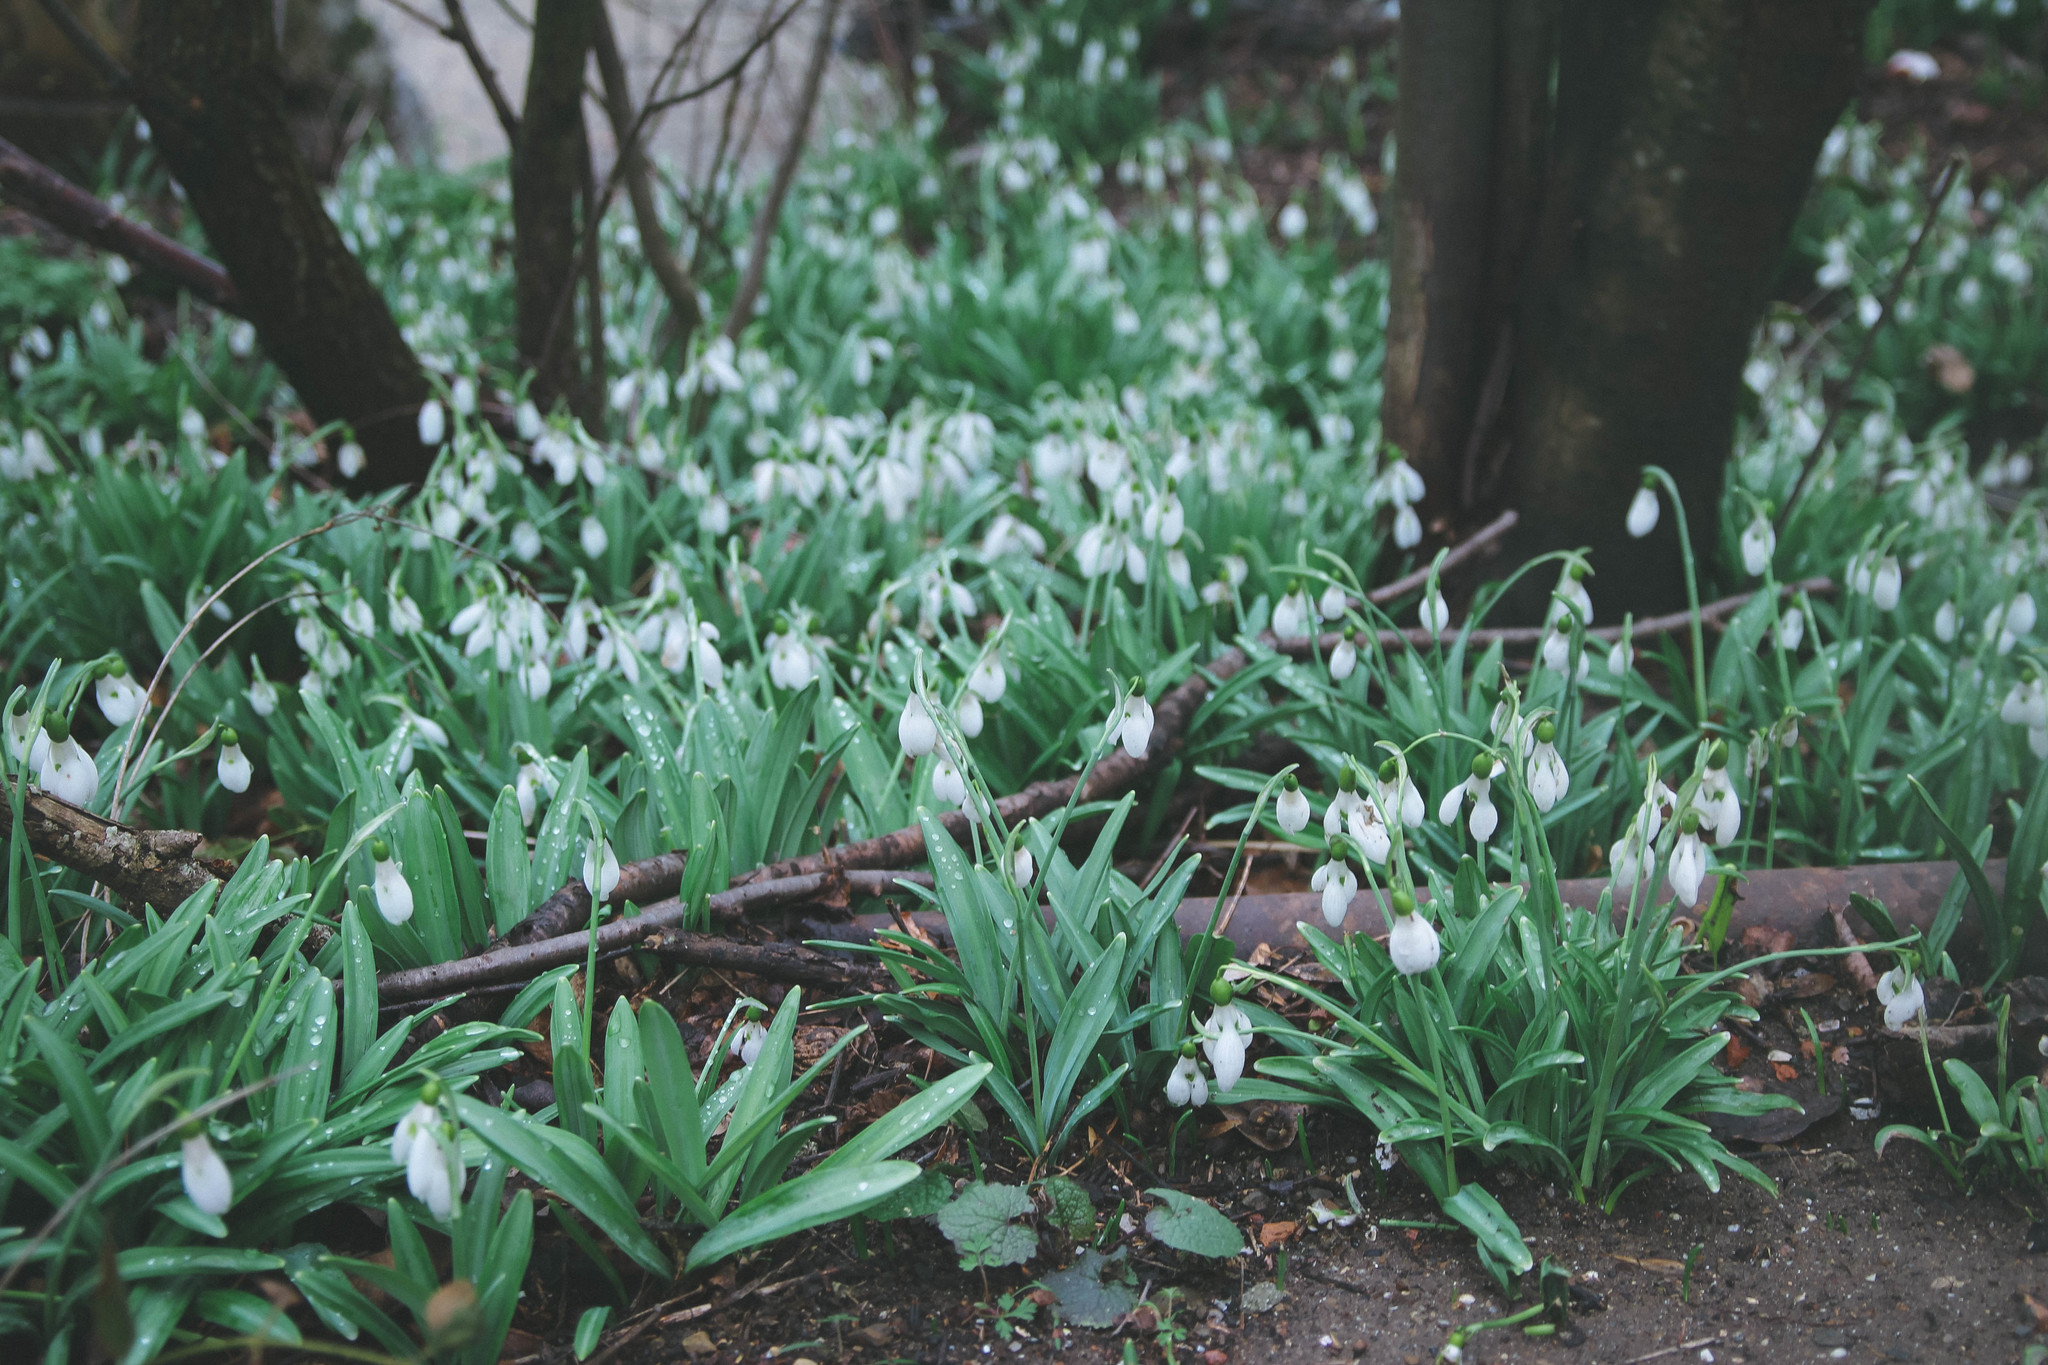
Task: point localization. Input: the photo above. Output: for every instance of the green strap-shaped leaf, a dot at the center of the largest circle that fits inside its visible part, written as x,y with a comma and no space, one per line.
823,1196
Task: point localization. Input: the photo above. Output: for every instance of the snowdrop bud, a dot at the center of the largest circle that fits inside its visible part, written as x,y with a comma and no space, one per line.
262,696
67,771
349,460
968,712
234,768
1407,527
119,698
1642,512
393,892
600,870
526,420
1434,613
526,544
462,396
1291,810
1884,584
915,729
1621,658
1759,543
1293,221
1135,726
433,423
204,1175
595,539
1411,940
1332,603
1022,867
1343,659
1791,629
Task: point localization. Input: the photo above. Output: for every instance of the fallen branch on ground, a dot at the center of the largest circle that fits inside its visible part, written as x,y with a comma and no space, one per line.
158,867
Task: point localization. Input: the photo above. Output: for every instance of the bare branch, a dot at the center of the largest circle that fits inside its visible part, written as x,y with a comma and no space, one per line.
71,210
102,61
458,31
145,866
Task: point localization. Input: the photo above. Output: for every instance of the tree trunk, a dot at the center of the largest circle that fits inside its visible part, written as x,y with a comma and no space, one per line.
206,79
1577,277
548,166
1686,135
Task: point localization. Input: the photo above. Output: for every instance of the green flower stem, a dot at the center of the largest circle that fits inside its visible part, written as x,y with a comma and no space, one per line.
1692,594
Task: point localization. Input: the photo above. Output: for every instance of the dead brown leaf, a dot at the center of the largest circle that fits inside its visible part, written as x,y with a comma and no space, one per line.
1272,1234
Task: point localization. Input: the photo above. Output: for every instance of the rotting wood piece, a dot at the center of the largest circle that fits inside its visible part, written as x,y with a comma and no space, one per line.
158,867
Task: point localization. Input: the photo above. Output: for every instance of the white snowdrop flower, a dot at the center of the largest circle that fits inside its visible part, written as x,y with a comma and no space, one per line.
355,612
1433,612
1225,1037
433,423
1884,584
600,870
1642,512
1022,867
526,544
1633,857
526,420
1407,528
1186,1085
967,711
1759,543
234,768
1485,818
790,661
1688,860
1621,658
204,1175
262,695
1719,810
948,784
527,784
1338,883
1556,651
388,884
989,679
1330,606
1898,990
1134,721
1343,659
349,460
1858,574
119,698
399,608
1291,614
915,729
1791,629
1912,65
1549,779
594,538
26,743
1399,794
1411,940
1291,809
2026,703
1293,221
462,396
417,1122
2008,621
747,1039
1569,597
1008,536
66,771
426,1173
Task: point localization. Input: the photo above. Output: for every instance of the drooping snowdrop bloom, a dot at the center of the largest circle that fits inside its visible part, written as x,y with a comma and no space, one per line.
1945,622
915,728
1791,629
1291,613
967,710
1759,543
262,693
1343,659
1186,1085
67,771
350,459
433,423
1884,583
1570,596
1433,612
203,1174
593,537
1407,527
1291,810
2026,702
1023,867
417,1122
948,784
1484,819
1720,812
388,883
989,680
426,1171
1643,510
234,768
2008,621
1622,657
120,699
399,608
1549,780
1399,794
527,785
1411,940
1338,883
600,870
1293,221
1898,990
1134,721
1556,651
1688,860
793,659
19,744
1225,1036
1330,606
748,1038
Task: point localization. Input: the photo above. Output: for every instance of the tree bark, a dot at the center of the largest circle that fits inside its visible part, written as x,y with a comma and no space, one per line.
206,78
1686,134
548,165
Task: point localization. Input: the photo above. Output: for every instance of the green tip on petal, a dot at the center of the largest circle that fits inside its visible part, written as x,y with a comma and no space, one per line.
1220,992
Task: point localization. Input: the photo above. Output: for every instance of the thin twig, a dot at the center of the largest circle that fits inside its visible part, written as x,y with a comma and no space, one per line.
102,61
1674,1350
770,213
1479,540
1891,298
458,31
733,69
